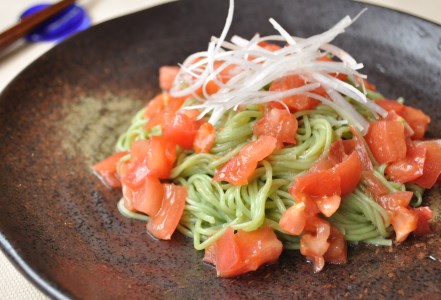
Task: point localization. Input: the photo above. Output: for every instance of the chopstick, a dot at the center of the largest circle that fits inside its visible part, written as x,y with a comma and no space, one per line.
27,24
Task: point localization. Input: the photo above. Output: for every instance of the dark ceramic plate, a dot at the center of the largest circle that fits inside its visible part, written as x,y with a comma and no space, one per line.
60,225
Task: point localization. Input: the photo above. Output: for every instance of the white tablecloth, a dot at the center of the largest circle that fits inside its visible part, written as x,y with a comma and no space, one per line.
12,284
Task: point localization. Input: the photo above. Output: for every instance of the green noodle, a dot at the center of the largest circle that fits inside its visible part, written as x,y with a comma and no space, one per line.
212,206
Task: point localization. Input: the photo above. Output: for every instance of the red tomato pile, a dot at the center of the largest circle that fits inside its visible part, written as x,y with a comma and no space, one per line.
395,141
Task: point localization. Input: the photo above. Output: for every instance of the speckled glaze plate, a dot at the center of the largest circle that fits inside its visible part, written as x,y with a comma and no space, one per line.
60,225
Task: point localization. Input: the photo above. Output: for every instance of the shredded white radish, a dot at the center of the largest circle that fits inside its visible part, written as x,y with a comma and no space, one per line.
241,69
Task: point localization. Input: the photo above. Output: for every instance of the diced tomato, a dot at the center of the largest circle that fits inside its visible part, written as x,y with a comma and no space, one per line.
167,75
258,247
337,252
128,197
349,171
205,138
362,151
404,221
238,169
228,255
269,46
148,197
164,223
432,164
293,220
153,157
390,105
395,201
277,123
316,184
328,205
155,106
245,251
106,169
134,171
424,214
417,119
314,243
180,129
210,255
409,168
295,102
374,186
386,140
160,157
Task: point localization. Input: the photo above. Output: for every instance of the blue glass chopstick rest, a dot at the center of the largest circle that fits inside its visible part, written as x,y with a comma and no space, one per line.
67,22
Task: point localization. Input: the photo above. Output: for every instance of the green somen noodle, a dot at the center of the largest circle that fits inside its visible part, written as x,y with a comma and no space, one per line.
212,206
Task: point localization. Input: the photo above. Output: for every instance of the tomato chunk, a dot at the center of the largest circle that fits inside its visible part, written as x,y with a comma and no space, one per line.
154,157
386,140
293,220
258,247
432,164
409,168
164,223
314,243
424,214
180,129
160,157
167,75
106,169
316,184
155,106
148,197
295,102
417,119
238,169
204,139
278,123
245,251
337,252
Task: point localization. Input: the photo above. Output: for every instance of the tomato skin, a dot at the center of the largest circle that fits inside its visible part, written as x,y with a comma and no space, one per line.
243,252
409,168
210,255
239,168
167,75
432,164
180,129
386,139
295,102
204,139
164,222
279,124
106,169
